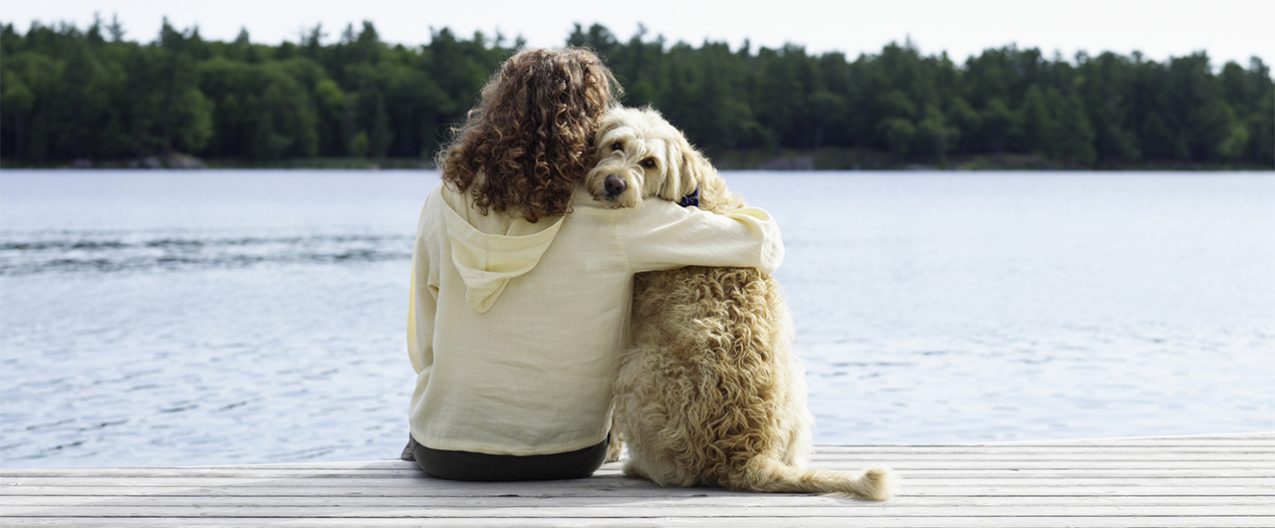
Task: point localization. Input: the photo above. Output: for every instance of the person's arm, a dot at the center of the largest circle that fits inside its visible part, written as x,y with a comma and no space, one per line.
663,235
422,305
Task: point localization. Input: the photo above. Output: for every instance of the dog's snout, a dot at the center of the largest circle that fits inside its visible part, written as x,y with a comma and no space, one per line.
615,185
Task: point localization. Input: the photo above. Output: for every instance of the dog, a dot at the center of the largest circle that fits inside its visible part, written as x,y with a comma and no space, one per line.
708,392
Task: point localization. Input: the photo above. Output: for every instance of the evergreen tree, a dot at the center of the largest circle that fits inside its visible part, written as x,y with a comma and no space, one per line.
69,93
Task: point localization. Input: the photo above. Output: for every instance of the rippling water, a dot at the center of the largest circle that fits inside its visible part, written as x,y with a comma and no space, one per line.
257,316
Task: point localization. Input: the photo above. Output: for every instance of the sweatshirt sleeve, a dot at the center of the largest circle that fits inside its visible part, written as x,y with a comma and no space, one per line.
662,235
421,308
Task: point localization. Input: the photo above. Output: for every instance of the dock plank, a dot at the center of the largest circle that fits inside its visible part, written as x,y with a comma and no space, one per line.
1214,480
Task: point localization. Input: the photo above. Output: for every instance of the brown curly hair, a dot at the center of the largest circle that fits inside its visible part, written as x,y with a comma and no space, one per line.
525,147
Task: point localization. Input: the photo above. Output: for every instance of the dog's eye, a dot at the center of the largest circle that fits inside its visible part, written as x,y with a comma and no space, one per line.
617,146
648,163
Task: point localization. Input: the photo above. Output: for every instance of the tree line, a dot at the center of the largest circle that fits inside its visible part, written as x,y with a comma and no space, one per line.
68,93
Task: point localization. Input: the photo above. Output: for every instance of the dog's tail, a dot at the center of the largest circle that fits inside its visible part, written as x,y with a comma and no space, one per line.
770,475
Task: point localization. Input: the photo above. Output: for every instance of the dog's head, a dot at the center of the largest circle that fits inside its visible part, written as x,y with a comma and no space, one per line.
640,155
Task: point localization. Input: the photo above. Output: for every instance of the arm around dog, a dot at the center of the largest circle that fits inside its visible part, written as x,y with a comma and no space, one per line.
663,235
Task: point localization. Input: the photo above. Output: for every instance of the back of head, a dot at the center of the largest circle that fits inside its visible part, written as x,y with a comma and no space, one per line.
525,147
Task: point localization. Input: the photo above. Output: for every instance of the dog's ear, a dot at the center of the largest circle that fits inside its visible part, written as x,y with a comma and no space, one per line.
687,169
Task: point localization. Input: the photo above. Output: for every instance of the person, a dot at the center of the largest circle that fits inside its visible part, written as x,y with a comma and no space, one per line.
521,282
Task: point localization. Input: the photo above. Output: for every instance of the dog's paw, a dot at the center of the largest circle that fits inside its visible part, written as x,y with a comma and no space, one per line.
615,449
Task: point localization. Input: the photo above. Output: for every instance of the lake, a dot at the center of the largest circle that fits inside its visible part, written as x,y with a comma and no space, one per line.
161,318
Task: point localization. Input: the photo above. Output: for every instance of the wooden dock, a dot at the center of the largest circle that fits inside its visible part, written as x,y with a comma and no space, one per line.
1213,481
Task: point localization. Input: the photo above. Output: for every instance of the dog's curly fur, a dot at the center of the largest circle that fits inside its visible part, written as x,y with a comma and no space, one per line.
708,393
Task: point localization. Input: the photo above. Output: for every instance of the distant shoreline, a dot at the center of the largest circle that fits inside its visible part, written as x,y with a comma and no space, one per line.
93,94
823,159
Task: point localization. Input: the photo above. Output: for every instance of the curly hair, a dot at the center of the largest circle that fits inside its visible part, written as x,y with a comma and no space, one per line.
525,147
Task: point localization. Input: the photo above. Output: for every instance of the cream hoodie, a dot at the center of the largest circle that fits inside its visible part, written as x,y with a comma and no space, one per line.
514,328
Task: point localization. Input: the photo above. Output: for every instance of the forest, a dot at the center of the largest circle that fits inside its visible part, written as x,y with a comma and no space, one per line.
94,96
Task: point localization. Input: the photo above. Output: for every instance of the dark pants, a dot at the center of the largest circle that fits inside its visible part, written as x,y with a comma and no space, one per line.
465,465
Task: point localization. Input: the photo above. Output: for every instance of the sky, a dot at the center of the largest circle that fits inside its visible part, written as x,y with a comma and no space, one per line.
1226,29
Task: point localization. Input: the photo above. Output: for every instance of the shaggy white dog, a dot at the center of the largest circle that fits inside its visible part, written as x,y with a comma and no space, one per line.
708,393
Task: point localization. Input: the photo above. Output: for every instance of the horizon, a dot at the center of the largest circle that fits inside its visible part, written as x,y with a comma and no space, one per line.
1156,31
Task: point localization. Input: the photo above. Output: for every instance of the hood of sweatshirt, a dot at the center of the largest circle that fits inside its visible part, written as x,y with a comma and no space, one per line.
493,252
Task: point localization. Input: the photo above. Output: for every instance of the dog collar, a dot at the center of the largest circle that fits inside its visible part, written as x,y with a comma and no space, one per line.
690,199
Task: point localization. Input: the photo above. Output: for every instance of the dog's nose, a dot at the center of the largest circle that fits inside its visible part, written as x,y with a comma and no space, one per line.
614,185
